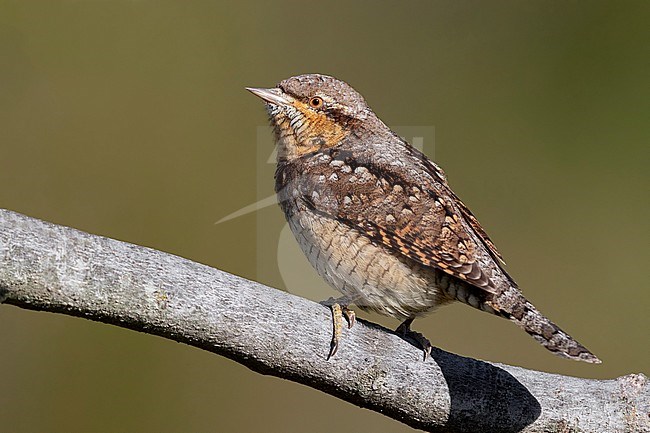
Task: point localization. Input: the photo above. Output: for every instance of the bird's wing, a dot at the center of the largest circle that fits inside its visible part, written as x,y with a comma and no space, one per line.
439,175
480,232
409,219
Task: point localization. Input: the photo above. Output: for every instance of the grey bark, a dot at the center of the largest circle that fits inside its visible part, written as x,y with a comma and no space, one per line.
59,269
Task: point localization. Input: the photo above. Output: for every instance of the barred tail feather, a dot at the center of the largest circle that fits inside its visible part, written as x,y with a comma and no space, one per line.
512,305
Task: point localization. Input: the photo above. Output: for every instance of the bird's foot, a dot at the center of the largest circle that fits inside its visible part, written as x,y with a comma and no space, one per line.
339,309
406,332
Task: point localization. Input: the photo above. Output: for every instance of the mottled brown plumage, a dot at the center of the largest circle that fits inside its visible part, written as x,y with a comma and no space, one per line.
377,218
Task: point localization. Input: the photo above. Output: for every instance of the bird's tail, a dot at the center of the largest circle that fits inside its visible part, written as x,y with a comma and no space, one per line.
514,306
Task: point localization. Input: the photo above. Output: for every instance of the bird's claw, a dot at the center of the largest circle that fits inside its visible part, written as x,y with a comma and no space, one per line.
338,312
406,332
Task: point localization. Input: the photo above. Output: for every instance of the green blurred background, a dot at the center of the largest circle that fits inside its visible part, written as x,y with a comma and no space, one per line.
129,119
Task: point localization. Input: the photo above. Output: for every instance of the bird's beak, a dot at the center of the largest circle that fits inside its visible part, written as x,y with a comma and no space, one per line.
272,96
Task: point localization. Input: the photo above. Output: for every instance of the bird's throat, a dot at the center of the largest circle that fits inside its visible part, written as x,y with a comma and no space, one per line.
299,132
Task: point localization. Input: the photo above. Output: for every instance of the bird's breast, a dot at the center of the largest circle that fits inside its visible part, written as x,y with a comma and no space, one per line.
373,277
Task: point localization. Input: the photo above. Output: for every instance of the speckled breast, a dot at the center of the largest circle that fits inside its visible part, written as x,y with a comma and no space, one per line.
367,274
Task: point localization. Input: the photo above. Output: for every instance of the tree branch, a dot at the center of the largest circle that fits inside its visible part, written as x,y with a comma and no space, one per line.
59,269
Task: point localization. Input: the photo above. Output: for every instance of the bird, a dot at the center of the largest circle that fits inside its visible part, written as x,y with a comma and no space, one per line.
379,222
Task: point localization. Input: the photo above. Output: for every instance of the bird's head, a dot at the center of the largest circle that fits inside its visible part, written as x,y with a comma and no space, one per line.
312,112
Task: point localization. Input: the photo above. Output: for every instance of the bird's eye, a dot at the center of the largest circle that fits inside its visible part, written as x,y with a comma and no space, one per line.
316,102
